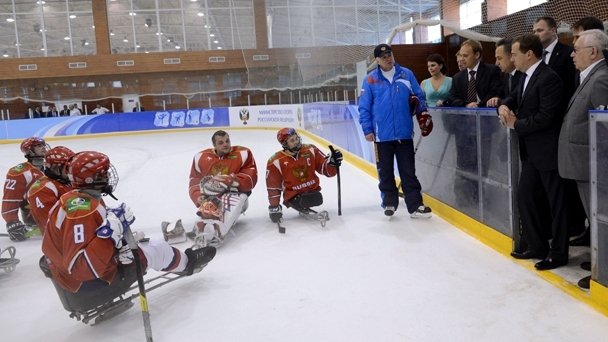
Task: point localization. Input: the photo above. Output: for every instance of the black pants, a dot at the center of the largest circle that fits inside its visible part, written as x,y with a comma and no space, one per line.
536,189
403,151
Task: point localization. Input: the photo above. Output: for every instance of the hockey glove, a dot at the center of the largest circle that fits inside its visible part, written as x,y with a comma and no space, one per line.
275,212
210,186
124,214
414,103
112,228
16,231
425,121
125,255
335,158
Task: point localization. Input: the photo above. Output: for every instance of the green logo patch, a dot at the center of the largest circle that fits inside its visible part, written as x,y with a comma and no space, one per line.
78,203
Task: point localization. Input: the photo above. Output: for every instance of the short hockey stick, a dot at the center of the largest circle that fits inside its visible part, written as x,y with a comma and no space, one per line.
331,148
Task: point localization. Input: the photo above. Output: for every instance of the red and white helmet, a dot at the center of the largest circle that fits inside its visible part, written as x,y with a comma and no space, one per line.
28,147
93,170
283,134
57,156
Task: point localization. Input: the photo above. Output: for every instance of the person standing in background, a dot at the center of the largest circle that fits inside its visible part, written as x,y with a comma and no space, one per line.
437,87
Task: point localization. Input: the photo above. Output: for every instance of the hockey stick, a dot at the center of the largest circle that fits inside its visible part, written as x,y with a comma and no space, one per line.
281,228
331,148
143,301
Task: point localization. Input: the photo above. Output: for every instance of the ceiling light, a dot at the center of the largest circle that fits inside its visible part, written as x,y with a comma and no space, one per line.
111,33
132,14
215,41
10,20
42,49
5,54
125,39
212,35
200,14
66,38
72,16
219,47
41,2
138,46
206,26
177,47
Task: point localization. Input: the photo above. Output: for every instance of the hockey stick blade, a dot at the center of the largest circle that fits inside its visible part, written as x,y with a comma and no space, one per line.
281,228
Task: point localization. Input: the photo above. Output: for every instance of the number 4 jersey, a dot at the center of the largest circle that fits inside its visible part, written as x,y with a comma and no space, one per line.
42,196
18,180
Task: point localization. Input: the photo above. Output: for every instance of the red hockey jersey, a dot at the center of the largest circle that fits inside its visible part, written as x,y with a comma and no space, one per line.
295,174
71,245
239,163
18,180
42,196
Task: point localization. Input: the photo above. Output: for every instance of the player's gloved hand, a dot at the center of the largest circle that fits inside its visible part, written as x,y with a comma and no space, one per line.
414,103
275,212
125,255
16,231
425,121
112,228
124,214
230,180
210,186
335,158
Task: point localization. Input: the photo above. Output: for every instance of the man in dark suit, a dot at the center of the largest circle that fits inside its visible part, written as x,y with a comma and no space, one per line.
556,54
535,115
573,152
472,87
486,79
510,75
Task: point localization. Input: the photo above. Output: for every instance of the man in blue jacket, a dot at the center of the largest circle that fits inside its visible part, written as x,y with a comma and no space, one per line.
386,119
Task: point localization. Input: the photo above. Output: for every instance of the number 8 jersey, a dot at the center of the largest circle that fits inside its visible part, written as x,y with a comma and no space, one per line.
70,243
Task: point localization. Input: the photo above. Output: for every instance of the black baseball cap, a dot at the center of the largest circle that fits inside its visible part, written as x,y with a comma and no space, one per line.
382,49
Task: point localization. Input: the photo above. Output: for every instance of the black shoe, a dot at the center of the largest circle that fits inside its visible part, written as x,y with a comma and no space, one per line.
583,240
549,264
528,255
389,210
197,260
584,283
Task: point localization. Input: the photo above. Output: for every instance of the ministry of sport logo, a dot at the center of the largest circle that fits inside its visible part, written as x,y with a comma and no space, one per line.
78,203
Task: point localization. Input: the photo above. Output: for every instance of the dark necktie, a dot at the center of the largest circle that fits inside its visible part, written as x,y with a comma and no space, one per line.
510,84
522,82
545,52
472,90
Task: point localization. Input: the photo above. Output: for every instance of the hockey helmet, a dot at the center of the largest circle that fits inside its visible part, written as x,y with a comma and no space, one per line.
285,133
57,156
92,170
28,147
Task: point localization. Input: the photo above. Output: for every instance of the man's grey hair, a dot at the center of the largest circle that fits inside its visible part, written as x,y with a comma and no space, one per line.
595,38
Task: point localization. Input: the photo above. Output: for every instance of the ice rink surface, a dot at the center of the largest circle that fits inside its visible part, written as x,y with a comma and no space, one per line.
361,278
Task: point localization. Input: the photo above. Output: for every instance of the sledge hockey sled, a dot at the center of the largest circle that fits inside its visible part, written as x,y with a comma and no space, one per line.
8,263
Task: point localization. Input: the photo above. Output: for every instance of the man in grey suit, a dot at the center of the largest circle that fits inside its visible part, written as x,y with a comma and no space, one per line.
573,148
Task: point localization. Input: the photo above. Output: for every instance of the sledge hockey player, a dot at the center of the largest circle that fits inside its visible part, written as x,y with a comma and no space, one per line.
47,190
221,180
89,261
293,171
18,180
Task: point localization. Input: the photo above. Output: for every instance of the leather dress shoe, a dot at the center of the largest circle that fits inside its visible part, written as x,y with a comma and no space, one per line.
583,240
584,282
527,255
586,265
549,264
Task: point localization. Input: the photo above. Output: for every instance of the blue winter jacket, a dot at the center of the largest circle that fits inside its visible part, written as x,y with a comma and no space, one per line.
384,107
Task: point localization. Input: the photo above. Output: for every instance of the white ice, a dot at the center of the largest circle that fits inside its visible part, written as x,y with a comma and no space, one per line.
361,278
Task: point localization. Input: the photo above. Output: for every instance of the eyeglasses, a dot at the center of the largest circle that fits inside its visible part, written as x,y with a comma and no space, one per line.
578,49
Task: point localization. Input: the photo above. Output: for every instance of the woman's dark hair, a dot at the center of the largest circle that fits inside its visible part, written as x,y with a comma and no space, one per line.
437,58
